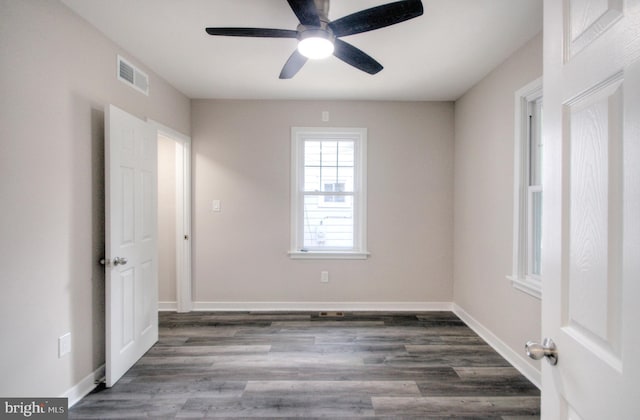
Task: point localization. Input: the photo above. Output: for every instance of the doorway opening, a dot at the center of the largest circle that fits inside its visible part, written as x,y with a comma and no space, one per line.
174,220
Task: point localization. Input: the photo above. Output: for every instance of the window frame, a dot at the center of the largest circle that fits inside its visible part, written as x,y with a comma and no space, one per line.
299,135
520,278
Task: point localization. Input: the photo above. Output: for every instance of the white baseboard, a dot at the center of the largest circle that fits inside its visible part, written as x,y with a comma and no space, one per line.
167,306
85,386
518,361
323,306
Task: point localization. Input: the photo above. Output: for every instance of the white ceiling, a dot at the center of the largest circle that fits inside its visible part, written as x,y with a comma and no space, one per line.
437,56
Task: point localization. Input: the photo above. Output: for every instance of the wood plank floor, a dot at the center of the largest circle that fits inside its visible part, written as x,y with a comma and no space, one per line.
278,365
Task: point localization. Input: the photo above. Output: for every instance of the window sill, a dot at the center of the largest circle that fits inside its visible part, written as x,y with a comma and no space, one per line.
527,285
328,255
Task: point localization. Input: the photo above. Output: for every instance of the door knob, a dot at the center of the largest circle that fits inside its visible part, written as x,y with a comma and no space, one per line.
547,349
119,261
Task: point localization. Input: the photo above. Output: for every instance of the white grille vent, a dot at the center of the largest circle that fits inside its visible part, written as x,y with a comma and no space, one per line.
133,76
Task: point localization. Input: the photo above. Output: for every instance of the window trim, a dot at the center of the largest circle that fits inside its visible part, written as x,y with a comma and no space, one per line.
298,136
519,277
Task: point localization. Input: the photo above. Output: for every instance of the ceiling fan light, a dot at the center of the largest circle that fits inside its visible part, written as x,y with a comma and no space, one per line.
315,47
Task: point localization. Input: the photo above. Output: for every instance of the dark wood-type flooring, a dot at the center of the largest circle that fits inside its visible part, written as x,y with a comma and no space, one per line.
278,365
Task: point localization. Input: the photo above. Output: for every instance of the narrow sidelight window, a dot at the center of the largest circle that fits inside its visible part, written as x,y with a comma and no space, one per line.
527,239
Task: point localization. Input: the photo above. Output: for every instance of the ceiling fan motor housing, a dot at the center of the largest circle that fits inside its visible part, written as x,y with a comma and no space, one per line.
316,42
324,31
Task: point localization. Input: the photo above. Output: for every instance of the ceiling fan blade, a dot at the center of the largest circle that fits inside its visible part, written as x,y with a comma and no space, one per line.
377,17
356,57
306,12
253,32
293,65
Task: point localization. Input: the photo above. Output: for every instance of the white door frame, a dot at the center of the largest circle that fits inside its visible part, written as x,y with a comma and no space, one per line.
184,301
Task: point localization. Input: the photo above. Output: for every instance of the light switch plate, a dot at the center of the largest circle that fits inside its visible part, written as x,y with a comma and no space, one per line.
64,344
324,277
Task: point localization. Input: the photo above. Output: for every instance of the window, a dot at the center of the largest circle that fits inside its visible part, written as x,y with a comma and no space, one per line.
527,238
328,194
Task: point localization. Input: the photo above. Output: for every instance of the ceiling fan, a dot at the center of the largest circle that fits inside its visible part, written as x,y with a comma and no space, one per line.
318,37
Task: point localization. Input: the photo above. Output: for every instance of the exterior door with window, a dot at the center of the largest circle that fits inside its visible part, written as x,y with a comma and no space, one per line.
591,179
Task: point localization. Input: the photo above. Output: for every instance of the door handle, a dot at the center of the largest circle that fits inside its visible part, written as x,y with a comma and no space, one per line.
547,349
116,261
119,261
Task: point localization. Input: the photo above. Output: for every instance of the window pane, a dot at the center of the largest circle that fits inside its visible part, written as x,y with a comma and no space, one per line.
535,241
312,178
345,153
328,227
328,163
311,153
329,150
329,179
535,143
345,177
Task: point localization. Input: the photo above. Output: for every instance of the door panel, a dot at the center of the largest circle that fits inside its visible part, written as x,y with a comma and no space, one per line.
595,212
131,214
591,238
588,19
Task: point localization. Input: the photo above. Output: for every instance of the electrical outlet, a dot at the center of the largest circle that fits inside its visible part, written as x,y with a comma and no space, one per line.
64,345
324,277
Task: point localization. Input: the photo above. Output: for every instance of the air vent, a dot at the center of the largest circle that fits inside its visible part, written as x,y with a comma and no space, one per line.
133,76
331,314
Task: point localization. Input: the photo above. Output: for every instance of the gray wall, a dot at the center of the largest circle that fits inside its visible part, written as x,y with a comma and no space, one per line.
56,75
484,161
241,155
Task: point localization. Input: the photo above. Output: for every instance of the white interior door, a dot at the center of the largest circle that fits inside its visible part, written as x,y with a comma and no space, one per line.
591,244
131,241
